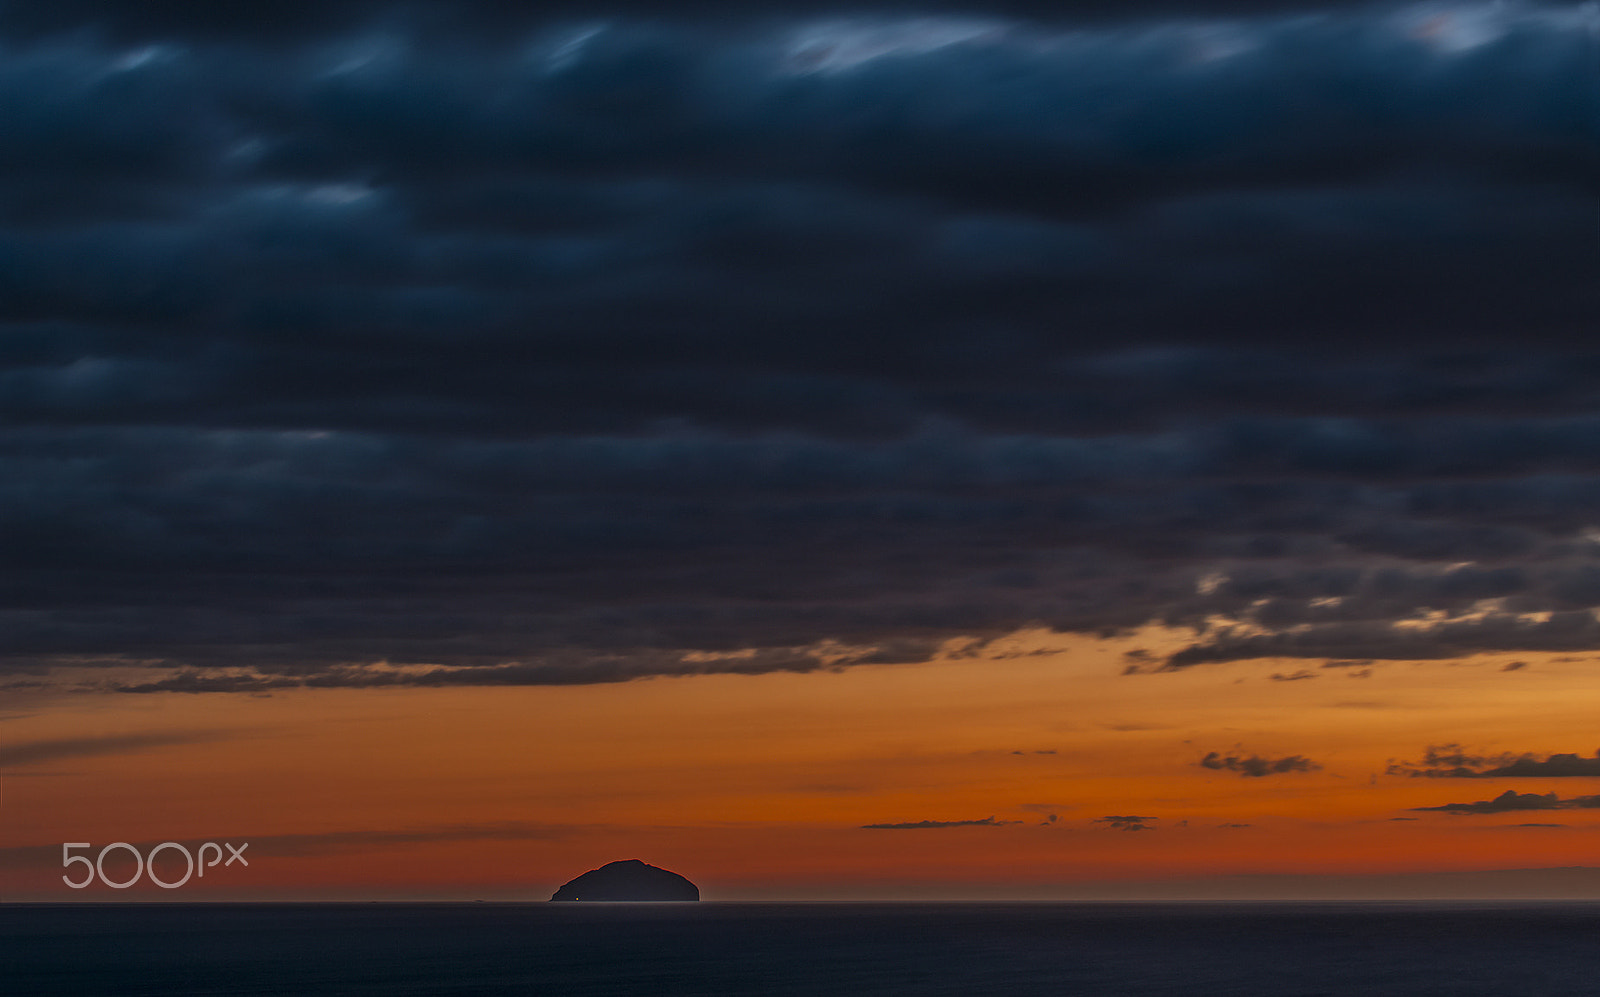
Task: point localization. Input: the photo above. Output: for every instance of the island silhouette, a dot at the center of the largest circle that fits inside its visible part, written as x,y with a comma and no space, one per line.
629,879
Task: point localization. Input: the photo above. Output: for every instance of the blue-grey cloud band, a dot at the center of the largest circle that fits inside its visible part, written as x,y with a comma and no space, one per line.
550,349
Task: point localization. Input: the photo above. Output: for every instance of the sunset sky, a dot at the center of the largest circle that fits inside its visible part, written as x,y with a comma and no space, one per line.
922,450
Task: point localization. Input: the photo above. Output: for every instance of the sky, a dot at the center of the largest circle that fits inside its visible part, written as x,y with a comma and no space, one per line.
832,451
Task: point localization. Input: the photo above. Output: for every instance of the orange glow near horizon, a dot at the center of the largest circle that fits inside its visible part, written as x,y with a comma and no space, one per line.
759,786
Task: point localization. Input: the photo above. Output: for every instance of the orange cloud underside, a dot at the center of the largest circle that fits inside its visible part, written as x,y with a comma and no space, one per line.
758,786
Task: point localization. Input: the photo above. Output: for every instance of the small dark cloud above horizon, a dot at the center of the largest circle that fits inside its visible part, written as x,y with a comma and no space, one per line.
361,344
1511,800
1127,822
1257,766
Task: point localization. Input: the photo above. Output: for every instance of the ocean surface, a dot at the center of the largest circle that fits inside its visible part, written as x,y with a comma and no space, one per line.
1018,949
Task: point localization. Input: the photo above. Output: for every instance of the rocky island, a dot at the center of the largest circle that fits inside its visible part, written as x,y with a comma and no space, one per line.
628,880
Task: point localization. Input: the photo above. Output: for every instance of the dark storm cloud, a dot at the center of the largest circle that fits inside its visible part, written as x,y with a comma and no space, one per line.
1450,761
288,20
1511,800
1257,766
369,344
643,542
917,825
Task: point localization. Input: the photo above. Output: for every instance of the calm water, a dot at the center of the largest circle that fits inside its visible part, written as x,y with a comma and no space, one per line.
1282,950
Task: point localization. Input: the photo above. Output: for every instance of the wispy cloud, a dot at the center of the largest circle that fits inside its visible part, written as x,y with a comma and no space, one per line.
921,824
38,752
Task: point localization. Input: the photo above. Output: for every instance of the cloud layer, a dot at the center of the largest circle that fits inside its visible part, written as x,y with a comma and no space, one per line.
376,346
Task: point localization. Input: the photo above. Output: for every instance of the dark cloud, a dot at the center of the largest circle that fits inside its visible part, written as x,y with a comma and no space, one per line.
1128,822
1405,639
290,20
1451,761
917,825
1557,765
1511,800
1257,766
1507,801
367,343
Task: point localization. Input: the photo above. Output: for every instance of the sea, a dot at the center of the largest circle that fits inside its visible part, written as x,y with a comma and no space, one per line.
802,949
